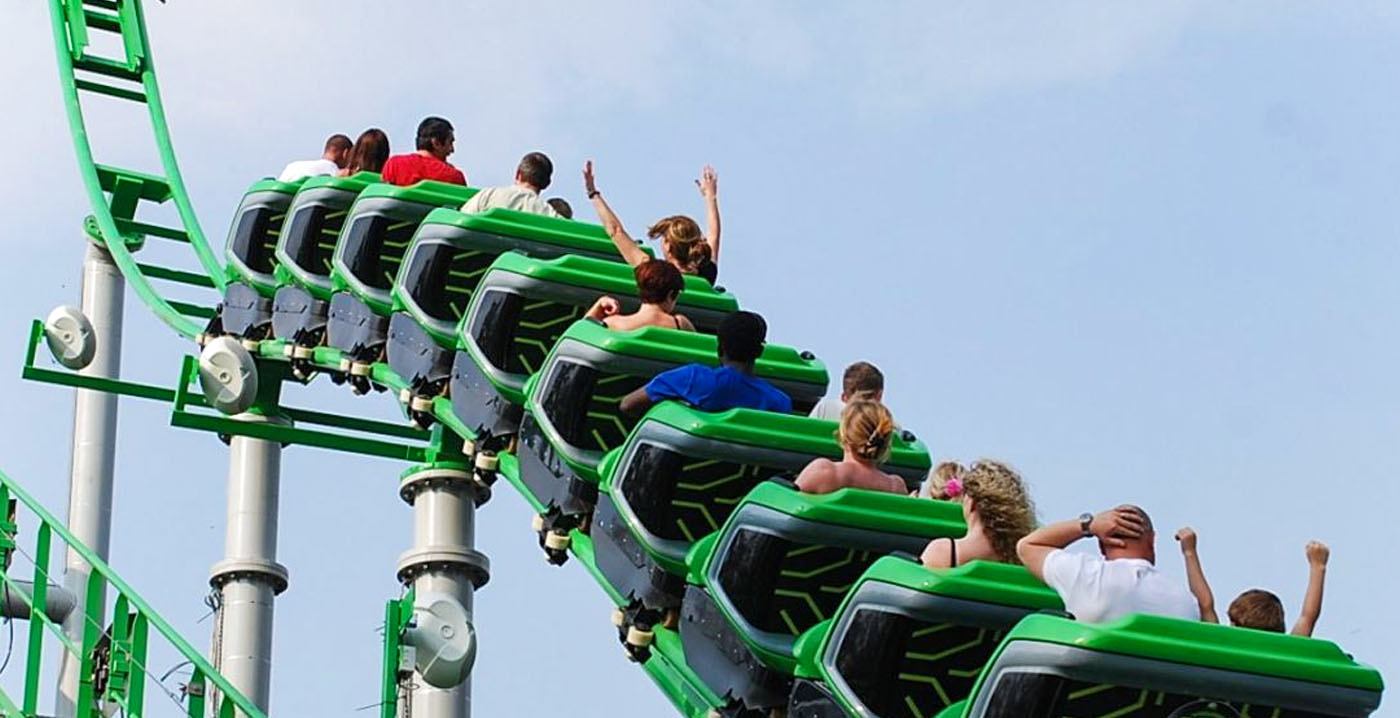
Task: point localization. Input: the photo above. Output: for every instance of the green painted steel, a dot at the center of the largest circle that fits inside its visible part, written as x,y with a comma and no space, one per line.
602,427
130,77
367,270
397,614
452,252
929,659
1252,672
308,237
800,434
707,489
1208,645
514,351
253,232
541,343
816,565
127,640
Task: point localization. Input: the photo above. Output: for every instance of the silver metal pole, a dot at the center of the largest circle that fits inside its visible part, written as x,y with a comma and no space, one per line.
58,602
249,577
94,448
442,561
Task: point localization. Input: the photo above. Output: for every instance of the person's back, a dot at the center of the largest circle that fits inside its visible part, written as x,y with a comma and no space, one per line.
532,176
1120,579
659,286
435,142
333,157
719,389
1099,589
866,433
731,385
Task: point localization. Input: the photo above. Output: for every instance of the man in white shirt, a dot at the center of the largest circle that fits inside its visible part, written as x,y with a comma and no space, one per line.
333,159
1122,580
531,178
862,380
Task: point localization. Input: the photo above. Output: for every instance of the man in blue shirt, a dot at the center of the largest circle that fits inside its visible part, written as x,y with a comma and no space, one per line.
730,385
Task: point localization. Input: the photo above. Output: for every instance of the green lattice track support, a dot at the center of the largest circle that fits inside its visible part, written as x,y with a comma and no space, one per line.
117,639
117,194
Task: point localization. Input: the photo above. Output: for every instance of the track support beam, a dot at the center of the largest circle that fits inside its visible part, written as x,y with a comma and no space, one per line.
442,563
94,450
248,579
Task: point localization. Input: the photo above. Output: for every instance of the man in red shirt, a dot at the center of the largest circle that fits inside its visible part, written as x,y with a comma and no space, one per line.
435,142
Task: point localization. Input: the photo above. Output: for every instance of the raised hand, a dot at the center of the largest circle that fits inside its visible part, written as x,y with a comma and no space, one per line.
588,184
1187,537
708,182
1318,553
1115,525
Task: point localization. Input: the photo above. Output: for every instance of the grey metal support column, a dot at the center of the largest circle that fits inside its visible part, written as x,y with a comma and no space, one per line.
442,565
246,581
94,449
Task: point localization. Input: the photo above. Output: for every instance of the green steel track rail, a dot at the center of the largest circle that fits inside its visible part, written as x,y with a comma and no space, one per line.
115,194
129,637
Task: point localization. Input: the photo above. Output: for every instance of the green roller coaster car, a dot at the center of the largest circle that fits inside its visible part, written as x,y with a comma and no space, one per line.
783,563
1155,667
371,246
681,474
572,415
449,255
252,237
910,641
520,309
303,256
245,309
308,237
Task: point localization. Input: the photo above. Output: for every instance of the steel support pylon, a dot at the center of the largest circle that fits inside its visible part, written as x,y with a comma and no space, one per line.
94,450
248,578
442,562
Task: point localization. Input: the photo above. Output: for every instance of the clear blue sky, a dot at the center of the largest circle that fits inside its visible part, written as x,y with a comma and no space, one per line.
1142,252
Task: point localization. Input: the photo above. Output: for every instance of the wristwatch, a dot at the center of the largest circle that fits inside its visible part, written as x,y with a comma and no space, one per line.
1085,519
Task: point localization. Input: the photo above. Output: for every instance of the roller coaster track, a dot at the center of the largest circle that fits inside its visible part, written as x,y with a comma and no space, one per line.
115,194
113,648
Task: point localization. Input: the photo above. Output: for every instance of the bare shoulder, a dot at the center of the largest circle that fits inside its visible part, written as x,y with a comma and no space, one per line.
818,476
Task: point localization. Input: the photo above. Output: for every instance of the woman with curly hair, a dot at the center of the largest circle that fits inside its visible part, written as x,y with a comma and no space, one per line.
867,428
998,511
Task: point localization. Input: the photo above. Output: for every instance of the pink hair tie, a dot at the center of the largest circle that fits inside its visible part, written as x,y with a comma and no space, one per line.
953,488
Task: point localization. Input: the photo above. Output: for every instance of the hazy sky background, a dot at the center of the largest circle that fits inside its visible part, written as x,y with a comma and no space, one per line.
1142,252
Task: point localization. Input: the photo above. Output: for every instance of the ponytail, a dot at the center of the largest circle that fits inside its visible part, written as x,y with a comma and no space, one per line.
682,241
867,429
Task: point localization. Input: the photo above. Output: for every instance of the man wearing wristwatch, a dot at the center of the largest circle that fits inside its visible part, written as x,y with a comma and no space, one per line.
1121,579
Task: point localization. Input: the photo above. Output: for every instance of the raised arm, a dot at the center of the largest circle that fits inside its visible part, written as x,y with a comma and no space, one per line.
709,189
1196,576
1318,553
1111,527
631,253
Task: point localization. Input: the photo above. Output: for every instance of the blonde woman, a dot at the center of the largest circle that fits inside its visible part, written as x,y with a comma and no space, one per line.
682,243
998,511
865,434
